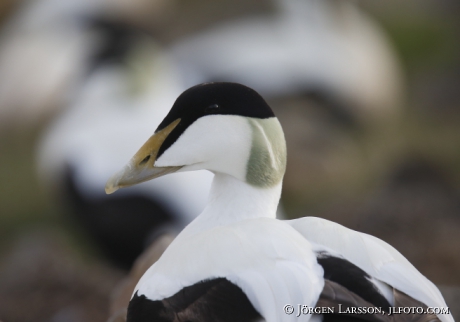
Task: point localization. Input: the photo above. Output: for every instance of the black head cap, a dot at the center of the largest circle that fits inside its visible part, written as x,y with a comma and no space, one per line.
213,99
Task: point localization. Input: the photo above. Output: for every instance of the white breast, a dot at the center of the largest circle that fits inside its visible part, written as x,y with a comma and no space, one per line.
266,258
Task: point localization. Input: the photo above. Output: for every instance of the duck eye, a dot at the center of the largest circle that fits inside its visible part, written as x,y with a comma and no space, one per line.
212,108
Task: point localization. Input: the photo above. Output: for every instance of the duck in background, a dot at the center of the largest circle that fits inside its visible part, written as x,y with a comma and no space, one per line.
45,46
330,47
128,83
327,70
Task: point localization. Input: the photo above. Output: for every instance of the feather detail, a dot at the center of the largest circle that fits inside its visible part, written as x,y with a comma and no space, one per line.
403,300
341,299
216,300
270,273
377,258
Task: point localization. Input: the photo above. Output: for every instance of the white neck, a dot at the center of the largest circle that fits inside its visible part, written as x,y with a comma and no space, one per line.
232,200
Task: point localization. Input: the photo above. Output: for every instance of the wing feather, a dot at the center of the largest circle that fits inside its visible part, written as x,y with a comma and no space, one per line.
372,255
343,300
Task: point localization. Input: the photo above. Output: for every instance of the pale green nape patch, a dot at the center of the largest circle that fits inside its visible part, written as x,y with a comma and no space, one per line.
267,159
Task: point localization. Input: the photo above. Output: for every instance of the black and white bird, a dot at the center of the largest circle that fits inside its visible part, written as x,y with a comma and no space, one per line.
326,47
45,46
235,261
129,83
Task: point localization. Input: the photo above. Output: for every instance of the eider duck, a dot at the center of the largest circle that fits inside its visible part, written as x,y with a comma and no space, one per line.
327,49
129,84
235,261
45,46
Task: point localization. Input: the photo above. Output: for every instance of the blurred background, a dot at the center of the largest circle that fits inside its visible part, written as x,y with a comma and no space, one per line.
368,94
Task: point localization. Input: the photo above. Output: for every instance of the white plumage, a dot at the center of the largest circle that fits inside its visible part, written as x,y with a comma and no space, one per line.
237,236
273,268
377,258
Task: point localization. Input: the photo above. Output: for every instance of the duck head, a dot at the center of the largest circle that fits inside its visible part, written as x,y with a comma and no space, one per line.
221,127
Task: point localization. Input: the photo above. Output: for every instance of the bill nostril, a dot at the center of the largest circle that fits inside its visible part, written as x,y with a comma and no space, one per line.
144,161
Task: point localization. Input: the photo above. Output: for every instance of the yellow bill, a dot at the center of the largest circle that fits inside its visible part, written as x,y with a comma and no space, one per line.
141,167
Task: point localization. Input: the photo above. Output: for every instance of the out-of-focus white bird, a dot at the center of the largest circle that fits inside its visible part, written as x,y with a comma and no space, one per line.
44,47
326,68
128,90
326,46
